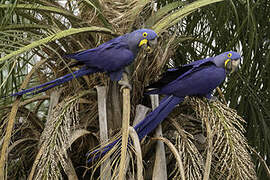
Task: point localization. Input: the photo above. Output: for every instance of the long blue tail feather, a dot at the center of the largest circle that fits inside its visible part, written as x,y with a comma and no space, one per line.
154,118
44,87
150,122
53,85
98,153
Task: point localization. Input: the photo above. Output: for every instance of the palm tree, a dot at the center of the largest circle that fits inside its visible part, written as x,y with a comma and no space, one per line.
47,135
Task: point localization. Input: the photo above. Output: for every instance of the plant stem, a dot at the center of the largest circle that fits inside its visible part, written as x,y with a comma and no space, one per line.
125,130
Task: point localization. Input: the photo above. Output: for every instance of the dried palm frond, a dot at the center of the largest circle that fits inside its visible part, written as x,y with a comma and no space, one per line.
224,153
133,152
122,14
55,140
209,141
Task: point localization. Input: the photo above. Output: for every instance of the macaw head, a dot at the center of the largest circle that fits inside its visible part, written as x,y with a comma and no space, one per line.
229,60
142,38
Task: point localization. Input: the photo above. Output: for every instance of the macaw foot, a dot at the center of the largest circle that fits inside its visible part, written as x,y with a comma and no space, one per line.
213,99
124,84
127,70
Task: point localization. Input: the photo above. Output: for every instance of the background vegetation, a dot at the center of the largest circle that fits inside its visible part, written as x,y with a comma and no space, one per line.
53,131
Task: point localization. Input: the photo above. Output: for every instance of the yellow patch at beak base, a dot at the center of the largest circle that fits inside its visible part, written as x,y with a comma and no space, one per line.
226,62
142,42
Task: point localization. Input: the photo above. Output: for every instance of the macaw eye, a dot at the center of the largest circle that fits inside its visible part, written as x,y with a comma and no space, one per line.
144,34
230,55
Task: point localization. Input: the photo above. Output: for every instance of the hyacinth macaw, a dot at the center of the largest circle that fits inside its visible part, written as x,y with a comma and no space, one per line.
198,78
111,57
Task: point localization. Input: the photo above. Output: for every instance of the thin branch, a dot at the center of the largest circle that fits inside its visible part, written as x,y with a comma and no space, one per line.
137,146
34,99
262,161
140,114
209,150
6,142
125,126
176,154
160,169
221,95
103,129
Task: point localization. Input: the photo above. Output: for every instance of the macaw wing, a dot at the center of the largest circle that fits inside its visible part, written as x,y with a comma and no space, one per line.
110,56
199,62
169,76
177,73
200,81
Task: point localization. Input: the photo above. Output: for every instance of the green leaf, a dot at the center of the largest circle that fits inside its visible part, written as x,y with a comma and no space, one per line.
24,26
175,17
39,7
162,12
54,37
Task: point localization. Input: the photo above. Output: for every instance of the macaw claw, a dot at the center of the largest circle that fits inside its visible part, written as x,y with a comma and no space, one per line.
124,84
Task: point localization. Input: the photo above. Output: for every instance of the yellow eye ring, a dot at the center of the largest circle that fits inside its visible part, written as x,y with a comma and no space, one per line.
230,55
144,34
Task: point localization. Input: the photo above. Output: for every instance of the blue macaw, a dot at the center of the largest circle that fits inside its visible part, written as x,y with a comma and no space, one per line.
198,78
111,57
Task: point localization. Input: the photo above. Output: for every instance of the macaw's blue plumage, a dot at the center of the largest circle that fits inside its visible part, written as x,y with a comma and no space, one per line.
111,57
198,78
154,118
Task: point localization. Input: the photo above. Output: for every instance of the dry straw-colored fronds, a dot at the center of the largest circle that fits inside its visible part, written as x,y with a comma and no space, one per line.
133,151
55,140
122,14
223,150
206,143
191,156
230,149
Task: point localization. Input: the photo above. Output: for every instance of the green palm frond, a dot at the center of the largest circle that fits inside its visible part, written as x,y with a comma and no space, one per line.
54,37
